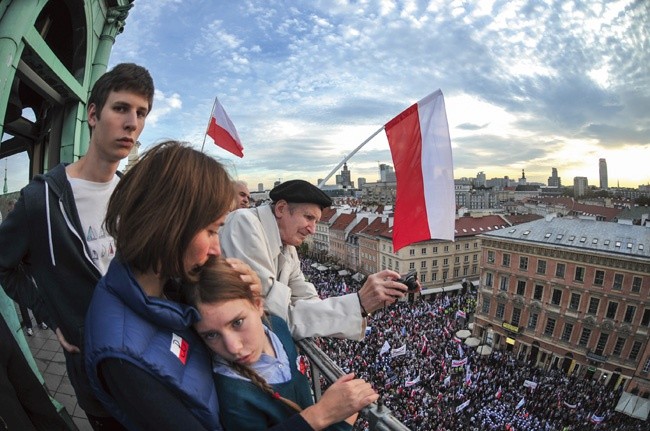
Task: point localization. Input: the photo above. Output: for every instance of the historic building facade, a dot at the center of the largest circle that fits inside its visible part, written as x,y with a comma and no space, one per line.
571,294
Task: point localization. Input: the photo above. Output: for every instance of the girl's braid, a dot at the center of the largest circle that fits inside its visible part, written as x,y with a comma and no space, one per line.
258,381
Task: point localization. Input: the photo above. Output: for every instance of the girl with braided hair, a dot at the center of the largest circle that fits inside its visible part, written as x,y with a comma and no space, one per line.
254,365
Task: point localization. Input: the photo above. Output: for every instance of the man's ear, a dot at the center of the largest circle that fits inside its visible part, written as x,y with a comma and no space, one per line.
92,115
281,207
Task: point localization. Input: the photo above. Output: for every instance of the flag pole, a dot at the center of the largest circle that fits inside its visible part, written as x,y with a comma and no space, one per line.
322,183
209,120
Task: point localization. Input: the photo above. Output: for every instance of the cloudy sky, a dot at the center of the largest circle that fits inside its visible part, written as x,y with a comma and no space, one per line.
528,84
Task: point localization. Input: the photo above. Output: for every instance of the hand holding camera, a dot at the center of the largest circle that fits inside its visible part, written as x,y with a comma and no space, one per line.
410,279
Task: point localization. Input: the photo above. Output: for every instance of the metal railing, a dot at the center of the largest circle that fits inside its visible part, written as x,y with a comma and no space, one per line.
378,416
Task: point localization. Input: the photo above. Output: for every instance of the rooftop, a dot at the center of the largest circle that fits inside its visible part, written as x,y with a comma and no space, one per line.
582,234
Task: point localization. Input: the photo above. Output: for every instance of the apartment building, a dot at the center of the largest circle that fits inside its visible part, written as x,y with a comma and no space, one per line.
571,294
437,262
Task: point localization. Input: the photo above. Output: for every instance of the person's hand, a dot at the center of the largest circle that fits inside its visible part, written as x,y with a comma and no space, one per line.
246,274
339,402
381,289
70,348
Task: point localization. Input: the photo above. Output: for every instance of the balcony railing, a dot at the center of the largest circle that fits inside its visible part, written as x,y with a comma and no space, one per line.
378,416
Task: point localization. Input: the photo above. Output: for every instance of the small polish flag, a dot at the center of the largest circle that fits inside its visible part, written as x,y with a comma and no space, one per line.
179,347
223,131
425,202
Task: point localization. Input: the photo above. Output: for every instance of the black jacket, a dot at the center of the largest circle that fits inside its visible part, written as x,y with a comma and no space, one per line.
43,237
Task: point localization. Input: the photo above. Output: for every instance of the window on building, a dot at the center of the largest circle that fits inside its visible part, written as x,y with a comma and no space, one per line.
645,321
630,310
593,305
550,326
475,258
559,270
602,342
485,308
539,292
636,284
445,273
612,307
556,299
618,347
488,279
457,259
584,337
434,276
435,249
423,277
618,282
465,270
523,263
516,316
456,272
424,250
505,259
532,321
466,259
634,353
423,264
500,310
445,261
574,302
412,252
383,260
411,265
566,332
646,367
457,247
446,249
434,263
521,287
504,283
599,277
466,246
580,273
541,267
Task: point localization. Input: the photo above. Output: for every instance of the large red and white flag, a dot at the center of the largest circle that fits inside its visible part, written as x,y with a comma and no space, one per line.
421,148
223,131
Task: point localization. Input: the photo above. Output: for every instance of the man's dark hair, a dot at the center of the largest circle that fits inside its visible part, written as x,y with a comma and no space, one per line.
123,77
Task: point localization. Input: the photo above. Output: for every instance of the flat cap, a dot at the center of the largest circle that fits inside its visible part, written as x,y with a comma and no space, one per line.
300,191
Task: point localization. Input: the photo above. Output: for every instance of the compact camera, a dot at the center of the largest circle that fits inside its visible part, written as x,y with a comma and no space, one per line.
410,279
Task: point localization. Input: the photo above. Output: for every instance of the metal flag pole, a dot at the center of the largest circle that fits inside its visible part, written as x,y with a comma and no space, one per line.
209,120
322,183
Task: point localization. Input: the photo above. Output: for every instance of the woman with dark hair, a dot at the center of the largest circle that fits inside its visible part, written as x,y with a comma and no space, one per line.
145,364
254,364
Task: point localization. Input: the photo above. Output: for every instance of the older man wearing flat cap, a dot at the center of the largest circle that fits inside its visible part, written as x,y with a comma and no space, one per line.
266,238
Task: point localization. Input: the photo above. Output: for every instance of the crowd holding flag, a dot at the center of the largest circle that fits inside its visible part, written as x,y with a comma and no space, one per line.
398,352
596,419
521,403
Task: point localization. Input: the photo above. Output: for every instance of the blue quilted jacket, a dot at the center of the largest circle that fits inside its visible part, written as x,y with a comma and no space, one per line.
153,334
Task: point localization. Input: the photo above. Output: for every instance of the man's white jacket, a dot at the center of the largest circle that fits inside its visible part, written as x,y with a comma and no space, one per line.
252,235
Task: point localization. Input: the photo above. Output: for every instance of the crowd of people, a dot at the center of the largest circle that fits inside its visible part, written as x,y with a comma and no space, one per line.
408,355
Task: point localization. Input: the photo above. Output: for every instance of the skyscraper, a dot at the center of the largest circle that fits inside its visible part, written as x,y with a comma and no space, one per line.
554,180
602,170
580,185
